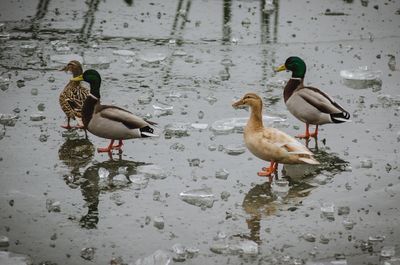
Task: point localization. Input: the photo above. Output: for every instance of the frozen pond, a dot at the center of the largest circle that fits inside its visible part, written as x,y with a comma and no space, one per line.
192,196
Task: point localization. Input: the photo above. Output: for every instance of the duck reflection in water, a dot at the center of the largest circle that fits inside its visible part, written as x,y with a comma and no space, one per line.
96,178
296,183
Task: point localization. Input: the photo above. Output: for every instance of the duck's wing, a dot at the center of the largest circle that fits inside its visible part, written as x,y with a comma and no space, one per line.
285,141
320,100
121,115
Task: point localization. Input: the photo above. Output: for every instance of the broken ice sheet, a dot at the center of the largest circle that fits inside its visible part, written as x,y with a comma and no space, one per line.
229,125
152,57
65,58
124,53
162,111
97,62
199,197
151,171
160,257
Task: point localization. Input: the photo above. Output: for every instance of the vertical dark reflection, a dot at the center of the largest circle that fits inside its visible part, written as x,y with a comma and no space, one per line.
129,2
41,12
86,29
176,18
226,26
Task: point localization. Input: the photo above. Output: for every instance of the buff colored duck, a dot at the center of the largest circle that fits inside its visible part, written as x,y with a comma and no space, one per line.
309,104
271,144
73,95
110,122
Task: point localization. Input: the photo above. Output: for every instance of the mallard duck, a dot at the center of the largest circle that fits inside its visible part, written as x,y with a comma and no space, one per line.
271,144
309,104
73,95
108,121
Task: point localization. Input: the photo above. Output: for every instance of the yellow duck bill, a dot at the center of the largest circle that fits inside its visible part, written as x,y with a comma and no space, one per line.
280,68
78,78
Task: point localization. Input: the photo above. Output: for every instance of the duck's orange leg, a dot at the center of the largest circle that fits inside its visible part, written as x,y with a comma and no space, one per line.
68,126
119,145
267,172
106,149
315,133
306,135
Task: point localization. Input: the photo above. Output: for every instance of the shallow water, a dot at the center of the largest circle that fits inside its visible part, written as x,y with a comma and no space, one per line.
197,57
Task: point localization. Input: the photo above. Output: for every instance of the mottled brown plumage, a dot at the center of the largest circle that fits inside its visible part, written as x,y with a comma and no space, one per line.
73,95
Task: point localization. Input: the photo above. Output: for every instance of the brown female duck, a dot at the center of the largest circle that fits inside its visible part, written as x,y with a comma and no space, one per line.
73,95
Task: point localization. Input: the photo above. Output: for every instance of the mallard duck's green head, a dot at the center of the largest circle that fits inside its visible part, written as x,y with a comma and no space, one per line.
93,78
294,64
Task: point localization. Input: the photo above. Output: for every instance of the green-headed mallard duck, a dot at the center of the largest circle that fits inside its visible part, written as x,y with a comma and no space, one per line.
309,104
271,144
108,121
73,95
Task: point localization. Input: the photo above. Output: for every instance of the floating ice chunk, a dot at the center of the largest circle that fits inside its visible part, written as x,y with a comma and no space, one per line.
10,258
199,126
236,247
246,247
159,257
158,222
97,62
8,119
366,163
179,252
219,248
124,53
145,99
361,73
65,58
53,205
151,171
227,62
269,7
343,210
378,238
120,180
162,111
4,83
280,187
4,242
230,125
199,197
310,237
88,253
28,49
152,57
139,181
60,46
388,252
348,224
176,129
328,210
179,53
103,173
235,149
392,62
222,173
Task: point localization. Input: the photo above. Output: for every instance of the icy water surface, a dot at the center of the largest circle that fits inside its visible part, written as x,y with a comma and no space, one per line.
192,196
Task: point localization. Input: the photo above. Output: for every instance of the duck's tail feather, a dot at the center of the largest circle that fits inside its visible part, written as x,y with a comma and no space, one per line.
147,131
309,160
340,117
